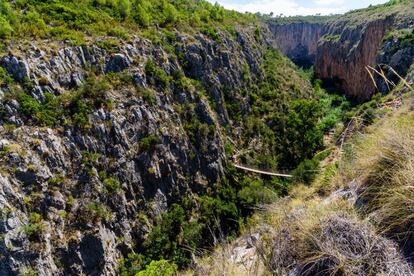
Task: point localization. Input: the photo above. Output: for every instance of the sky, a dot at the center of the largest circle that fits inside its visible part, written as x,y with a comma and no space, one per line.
296,7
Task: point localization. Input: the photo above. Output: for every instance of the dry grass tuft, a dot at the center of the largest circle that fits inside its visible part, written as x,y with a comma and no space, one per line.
347,233
323,240
342,245
230,259
312,236
384,172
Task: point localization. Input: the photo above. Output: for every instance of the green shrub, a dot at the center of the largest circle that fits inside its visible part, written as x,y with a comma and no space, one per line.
164,241
124,7
148,95
98,211
5,78
368,116
192,127
32,25
156,75
56,180
111,45
300,137
306,171
111,185
159,268
254,193
170,14
35,227
148,143
211,32
258,33
5,28
119,32
141,16
90,96
44,114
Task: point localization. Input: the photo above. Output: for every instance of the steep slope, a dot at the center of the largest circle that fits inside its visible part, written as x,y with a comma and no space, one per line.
353,218
298,41
114,148
353,42
341,47
298,38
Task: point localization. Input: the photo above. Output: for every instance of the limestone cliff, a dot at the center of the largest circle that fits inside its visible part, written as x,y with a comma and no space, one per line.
341,48
298,41
78,195
56,171
343,54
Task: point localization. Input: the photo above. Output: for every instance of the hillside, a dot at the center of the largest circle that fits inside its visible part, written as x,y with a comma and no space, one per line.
348,210
353,218
121,123
340,47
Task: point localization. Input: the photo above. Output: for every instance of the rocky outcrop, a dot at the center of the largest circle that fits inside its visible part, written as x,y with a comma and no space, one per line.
342,48
396,53
344,53
57,216
298,41
17,68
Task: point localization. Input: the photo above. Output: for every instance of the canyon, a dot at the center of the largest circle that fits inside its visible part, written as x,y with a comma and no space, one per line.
116,149
341,48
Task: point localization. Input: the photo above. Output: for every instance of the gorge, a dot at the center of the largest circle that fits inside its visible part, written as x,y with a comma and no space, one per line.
340,48
119,121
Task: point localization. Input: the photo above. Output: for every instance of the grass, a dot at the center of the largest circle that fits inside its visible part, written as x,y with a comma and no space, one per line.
318,229
385,162
314,236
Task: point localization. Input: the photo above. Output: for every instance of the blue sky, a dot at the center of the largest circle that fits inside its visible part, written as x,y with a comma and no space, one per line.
297,7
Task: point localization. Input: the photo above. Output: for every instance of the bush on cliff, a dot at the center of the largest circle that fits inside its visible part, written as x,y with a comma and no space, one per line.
61,18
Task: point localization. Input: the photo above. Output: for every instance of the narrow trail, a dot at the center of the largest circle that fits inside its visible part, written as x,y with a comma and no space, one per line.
260,171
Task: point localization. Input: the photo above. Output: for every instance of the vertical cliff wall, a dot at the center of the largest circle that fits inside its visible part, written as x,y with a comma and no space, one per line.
344,53
342,47
299,41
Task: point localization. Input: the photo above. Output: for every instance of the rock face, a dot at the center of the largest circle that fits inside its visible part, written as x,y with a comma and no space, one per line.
298,41
344,46
17,68
84,228
344,53
396,53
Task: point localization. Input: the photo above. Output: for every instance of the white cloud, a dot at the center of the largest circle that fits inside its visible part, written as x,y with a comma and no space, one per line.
329,2
286,7
291,7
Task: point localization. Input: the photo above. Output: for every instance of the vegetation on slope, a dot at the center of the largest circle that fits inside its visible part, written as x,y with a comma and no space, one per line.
285,116
221,212
287,119
311,19
356,216
400,9
75,20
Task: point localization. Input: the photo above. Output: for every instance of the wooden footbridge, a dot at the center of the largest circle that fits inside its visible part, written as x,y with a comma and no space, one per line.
254,170
245,168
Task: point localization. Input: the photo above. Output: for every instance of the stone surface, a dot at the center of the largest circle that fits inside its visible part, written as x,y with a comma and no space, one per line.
54,172
342,48
299,41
